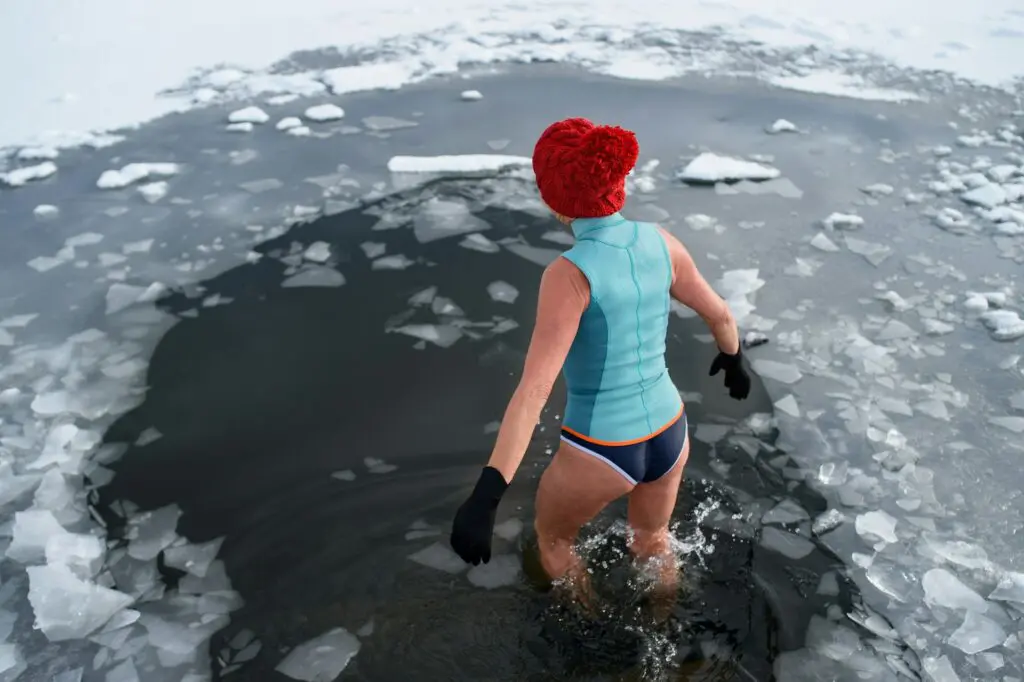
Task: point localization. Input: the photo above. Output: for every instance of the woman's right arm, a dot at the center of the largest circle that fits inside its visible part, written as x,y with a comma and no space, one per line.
691,289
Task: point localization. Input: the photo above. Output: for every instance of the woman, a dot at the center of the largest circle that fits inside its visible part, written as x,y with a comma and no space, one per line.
602,319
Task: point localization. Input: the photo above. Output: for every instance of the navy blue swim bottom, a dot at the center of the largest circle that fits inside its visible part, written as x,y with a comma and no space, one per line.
644,461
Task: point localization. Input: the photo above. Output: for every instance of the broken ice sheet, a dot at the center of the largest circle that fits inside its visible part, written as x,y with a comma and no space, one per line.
439,557
151,532
378,466
891,580
194,559
440,218
787,544
876,525
442,335
321,659
777,371
502,570
67,607
977,633
942,588
1010,588
503,292
316,276
872,252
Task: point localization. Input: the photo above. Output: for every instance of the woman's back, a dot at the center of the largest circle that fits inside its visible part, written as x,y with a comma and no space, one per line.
618,385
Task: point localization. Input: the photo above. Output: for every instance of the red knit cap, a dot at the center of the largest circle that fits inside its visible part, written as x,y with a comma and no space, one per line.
581,168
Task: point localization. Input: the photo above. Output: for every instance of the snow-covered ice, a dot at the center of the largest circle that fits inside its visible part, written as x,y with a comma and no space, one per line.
324,112
133,172
26,174
457,164
709,168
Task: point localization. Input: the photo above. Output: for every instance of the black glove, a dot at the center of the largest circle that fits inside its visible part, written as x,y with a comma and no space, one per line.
736,378
474,521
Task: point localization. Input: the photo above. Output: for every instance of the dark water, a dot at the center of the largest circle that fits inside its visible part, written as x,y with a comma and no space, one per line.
260,400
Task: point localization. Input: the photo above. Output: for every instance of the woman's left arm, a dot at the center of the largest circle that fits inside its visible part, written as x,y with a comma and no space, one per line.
564,295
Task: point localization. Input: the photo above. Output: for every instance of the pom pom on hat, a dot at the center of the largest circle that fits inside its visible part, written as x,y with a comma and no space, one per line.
581,168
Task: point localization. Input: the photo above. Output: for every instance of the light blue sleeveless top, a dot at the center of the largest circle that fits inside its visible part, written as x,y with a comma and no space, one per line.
618,387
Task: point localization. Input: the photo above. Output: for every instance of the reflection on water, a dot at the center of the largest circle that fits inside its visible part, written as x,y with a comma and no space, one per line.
330,429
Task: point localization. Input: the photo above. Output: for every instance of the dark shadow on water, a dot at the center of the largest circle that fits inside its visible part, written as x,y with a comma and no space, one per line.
259,401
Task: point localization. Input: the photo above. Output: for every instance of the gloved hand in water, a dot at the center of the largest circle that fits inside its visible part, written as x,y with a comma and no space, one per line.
474,521
736,378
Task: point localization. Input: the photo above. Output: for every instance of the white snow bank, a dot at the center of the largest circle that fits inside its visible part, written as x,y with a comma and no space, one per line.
55,57
710,167
841,85
458,163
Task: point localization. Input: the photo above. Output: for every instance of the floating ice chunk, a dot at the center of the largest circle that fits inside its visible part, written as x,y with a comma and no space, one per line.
121,296
872,252
1015,424
399,261
711,168
248,115
878,189
385,123
502,570
509,530
471,95
1010,588
344,475
318,252
891,580
439,218
782,126
1003,325
776,371
785,512
787,544
700,221
942,588
823,243
457,164
324,112
315,277
977,633
503,292
442,335
67,607
788,405
960,553
45,211
373,249
133,172
976,303
827,521
478,242
299,131
876,525
378,466
986,196
154,191
21,176
933,327
439,557
194,559
894,329
243,127
289,122
260,186
70,676
151,532
843,221
80,552
940,670
321,659
31,532
37,154
123,672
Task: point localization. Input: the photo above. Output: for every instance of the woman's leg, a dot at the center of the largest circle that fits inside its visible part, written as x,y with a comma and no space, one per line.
573,490
650,511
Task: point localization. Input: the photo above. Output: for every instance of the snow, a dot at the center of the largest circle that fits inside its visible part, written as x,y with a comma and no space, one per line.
133,172
324,112
251,115
463,163
26,174
71,83
710,167
841,85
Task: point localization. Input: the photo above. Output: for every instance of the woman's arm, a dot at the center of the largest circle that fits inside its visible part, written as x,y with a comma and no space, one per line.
564,295
691,289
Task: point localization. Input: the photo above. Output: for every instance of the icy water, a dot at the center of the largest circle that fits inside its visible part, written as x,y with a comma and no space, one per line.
247,470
